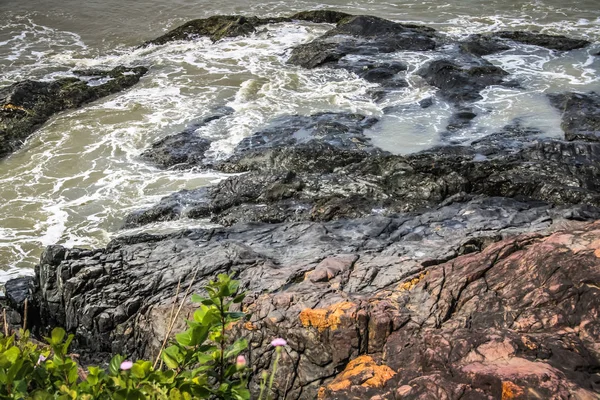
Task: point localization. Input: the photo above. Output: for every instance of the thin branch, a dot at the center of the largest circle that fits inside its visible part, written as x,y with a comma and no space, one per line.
170,322
25,316
172,325
5,322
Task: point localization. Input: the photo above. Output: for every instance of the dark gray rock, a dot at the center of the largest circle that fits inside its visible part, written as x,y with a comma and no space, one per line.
460,84
461,119
185,149
323,180
482,45
552,42
26,105
580,115
218,27
362,35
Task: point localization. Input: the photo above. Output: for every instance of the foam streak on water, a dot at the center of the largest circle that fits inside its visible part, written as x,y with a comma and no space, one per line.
76,178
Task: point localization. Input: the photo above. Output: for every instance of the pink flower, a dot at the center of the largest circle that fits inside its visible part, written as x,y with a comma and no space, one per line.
278,342
240,363
125,365
41,359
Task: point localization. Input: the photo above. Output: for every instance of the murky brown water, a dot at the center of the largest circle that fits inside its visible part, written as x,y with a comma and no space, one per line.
77,177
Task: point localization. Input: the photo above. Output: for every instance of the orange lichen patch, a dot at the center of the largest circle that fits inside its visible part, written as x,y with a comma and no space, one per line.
362,371
528,343
325,318
510,390
12,107
409,285
250,326
597,253
230,326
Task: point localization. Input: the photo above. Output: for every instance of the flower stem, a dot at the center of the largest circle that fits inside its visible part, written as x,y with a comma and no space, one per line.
278,352
263,384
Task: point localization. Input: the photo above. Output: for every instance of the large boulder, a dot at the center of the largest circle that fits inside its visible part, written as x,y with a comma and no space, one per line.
362,35
218,27
26,105
444,302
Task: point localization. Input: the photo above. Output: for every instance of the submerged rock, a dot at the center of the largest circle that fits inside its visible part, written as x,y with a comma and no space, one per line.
26,105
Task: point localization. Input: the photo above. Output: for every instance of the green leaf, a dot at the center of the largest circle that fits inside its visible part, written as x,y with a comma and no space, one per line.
172,357
115,364
57,336
73,375
240,393
184,338
234,316
239,298
138,371
92,379
12,354
198,299
236,348
67,344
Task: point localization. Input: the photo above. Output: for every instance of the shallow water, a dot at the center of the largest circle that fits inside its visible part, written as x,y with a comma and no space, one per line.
77,177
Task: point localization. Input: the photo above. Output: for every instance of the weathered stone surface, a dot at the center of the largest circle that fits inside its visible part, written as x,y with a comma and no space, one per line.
420,304
490,43
457,272
580,115
320,16
26,105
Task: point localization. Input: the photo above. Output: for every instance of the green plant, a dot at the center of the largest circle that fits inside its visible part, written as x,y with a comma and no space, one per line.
202,363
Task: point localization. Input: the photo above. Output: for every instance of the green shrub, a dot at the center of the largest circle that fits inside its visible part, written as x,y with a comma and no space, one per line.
202,363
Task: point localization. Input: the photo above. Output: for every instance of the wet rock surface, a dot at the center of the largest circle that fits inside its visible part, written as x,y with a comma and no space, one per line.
365,36
330,177
552,42
490,43
26,105
439,301
218,27
580,115
185,149
460,84
357,42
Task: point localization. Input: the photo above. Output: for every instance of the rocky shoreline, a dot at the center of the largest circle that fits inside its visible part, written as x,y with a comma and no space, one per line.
470,270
